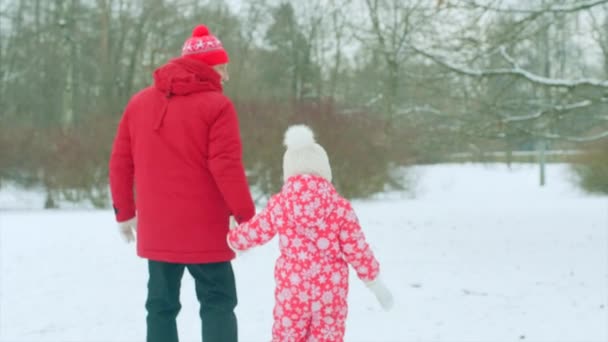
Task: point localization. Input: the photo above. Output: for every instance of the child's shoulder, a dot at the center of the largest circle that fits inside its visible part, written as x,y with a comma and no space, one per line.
274,199
343,202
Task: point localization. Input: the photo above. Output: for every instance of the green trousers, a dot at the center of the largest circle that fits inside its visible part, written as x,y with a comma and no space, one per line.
216,293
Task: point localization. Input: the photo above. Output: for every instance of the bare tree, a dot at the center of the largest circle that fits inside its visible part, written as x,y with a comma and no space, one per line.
562,97
391,23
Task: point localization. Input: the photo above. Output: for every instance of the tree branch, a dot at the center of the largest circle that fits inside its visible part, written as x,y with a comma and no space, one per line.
560,8
540,113
418,109
590,138
515,71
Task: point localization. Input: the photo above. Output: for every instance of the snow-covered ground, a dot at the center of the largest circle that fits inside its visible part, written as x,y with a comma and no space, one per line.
477,253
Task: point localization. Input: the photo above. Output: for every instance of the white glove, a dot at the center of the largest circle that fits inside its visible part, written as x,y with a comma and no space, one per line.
127,229
232,224
382,293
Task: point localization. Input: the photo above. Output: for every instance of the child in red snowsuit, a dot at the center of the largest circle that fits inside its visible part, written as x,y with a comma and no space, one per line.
319,235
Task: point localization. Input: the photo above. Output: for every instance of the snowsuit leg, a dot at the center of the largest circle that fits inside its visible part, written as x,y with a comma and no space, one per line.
310,307
291,324
329,304
292,313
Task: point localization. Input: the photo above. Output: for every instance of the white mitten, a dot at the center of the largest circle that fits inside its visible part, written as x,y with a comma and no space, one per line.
127,229
382,293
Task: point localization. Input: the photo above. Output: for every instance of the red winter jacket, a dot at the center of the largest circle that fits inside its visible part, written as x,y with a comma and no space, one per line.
179,143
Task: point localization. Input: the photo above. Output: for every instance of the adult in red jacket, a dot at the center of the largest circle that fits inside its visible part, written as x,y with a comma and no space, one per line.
178,148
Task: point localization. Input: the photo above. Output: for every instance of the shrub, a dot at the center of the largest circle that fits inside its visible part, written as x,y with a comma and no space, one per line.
592,168
360,150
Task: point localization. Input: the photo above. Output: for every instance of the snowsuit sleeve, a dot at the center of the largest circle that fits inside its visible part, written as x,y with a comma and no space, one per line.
259,230
354,247
122,172
226,163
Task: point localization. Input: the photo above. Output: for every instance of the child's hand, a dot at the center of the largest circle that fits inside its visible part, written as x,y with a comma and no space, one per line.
382,293
232,223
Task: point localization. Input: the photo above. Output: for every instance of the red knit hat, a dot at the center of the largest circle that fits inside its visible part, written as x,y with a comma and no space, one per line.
205,47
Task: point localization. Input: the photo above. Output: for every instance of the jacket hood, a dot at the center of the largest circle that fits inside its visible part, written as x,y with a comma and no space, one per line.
184,76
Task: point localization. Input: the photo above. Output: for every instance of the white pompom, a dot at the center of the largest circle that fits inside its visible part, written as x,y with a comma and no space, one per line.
298,136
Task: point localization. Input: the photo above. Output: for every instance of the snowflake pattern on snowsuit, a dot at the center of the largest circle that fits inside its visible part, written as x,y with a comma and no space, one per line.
319,235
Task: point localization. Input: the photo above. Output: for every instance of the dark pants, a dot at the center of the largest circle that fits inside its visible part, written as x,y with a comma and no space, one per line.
215,290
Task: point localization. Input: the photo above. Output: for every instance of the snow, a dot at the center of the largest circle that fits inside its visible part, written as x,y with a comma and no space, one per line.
13,197
474,254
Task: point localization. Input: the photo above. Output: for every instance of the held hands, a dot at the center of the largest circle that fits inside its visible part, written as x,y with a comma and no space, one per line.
128,229
232,224
382,293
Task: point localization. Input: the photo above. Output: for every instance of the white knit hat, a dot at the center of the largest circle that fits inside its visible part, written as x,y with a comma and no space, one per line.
303,154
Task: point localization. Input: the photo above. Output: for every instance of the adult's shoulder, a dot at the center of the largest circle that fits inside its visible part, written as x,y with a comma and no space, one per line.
220,98
147,91
143,95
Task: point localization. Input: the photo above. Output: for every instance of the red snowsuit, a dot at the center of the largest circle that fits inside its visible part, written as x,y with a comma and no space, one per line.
318,235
